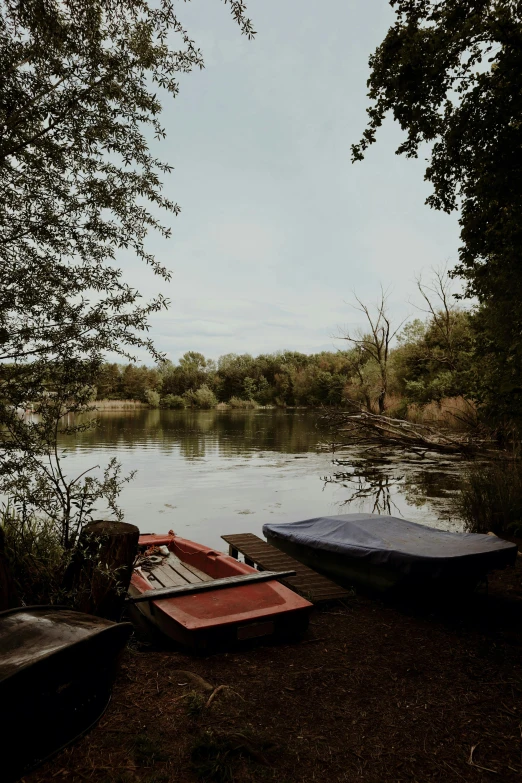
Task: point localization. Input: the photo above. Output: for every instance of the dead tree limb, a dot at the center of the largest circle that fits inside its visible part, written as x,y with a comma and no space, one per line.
362,428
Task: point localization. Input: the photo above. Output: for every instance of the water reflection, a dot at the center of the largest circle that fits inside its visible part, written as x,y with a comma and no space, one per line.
366,482
197,432
206,473
380,482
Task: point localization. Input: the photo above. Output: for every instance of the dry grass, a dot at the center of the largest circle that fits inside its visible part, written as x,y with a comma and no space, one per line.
114,405
456,413
394,405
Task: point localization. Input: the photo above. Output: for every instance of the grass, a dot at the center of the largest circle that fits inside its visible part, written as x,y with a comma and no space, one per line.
216,756
491,498
35,557
195,704
147,749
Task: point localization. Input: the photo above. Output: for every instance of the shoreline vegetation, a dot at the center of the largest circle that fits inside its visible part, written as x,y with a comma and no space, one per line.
426,376
452,412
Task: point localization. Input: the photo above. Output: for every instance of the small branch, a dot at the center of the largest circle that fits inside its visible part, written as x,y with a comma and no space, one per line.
218,690
195,678
478,766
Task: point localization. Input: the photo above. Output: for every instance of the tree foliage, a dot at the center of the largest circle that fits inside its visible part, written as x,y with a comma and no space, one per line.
80,189
450,74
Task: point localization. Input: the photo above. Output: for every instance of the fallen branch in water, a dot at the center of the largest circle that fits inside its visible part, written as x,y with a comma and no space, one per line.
359,427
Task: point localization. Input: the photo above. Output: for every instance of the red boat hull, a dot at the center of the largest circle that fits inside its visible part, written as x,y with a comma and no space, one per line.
225,616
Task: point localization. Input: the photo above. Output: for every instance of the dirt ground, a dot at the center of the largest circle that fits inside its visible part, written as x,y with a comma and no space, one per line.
375,692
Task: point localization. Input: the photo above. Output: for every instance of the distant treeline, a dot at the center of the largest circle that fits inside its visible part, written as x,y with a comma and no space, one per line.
426,364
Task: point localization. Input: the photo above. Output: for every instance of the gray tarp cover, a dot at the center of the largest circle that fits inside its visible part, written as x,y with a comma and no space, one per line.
384,540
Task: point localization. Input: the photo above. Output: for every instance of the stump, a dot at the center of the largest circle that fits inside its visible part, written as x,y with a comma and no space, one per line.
8,594
101,568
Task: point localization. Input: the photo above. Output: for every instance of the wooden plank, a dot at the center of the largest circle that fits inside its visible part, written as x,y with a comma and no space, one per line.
153,579
215,584
202,575
189,572
186,575
170,578
307,582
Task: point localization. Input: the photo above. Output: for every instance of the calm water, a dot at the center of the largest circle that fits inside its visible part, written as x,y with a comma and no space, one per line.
207,473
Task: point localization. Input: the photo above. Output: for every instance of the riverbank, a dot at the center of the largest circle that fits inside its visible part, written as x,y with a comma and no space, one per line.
374,693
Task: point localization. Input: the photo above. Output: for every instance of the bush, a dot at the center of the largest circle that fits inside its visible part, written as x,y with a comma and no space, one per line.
172,401
491,498
236,402
153,398
204,397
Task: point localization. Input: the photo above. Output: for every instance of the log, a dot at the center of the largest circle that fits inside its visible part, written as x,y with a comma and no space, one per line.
9,598
99,575
359,427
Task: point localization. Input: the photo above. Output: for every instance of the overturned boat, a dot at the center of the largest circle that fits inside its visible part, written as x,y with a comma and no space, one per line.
56,672
382,552
203,599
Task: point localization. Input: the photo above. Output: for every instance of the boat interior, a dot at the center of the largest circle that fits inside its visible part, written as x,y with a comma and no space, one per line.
162,570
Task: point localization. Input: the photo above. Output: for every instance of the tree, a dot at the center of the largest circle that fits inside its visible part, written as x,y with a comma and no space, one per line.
232,370
434,358
376,344
450,74
193,368
79,188
424,368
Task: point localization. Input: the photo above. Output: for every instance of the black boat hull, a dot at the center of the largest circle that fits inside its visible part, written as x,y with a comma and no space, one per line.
56,673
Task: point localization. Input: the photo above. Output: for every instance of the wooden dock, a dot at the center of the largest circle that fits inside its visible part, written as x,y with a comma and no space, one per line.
308,583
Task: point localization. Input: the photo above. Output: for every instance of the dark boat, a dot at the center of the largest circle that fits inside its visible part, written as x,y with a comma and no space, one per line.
56,672
383,552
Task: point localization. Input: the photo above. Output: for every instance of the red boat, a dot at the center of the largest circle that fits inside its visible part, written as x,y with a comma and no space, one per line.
207,599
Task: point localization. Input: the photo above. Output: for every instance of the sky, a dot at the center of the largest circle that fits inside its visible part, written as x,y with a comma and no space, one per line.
278,229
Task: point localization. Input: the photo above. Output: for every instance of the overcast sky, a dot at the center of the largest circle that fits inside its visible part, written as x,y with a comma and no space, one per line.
277,227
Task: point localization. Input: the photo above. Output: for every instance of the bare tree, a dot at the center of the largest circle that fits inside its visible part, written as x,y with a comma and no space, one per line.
377,342
443,311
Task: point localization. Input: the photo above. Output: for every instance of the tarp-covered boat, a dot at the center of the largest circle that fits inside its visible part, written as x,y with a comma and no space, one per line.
56,672
208,612
380,552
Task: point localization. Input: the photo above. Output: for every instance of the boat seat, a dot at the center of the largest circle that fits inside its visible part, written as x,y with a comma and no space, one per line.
174,572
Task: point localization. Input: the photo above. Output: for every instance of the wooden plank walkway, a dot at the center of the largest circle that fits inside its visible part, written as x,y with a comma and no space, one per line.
308,583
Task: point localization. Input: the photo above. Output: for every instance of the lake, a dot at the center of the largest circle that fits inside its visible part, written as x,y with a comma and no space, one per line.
208,473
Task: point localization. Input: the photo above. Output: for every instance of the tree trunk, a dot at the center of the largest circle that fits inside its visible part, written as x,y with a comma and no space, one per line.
8,594
99,575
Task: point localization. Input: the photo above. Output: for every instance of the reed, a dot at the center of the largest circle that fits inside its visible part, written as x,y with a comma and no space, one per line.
491,498
238,404
455,413
113,405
